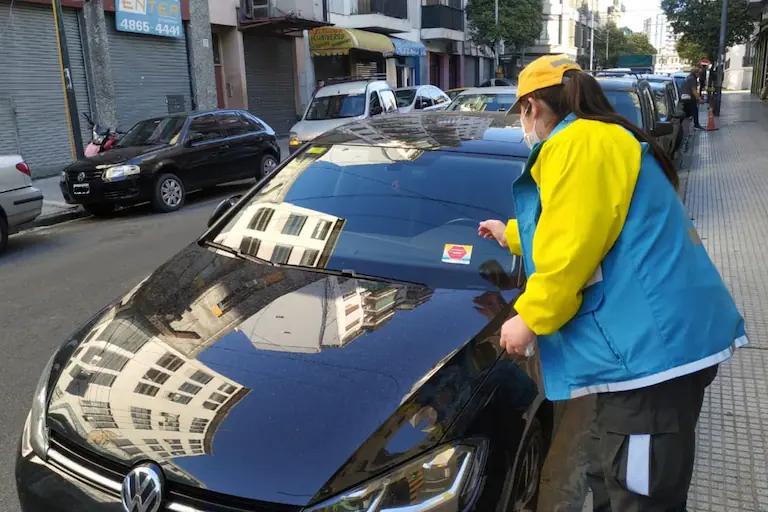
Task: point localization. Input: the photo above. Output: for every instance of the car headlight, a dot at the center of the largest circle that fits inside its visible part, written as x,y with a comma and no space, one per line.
444,479
120,172
294,141
35,435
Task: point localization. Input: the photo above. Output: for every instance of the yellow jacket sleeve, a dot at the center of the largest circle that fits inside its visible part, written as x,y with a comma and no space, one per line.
513,237
586,175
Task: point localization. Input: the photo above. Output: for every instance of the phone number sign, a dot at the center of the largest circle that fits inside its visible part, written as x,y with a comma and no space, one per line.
151,17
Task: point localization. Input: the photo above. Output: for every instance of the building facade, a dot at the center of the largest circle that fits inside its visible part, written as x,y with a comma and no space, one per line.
662,36
738,67
119,77
759,11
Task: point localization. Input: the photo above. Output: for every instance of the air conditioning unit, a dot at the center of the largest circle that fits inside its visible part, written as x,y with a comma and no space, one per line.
255,9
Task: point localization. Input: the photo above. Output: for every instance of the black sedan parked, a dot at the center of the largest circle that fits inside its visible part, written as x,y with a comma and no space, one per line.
331,343
160,160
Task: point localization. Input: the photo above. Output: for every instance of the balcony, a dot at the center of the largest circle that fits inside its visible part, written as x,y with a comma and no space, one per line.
392,8
442,19
286,17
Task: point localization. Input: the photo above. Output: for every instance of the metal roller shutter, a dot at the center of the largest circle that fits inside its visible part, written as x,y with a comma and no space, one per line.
470,72
269,63
151,75
33,118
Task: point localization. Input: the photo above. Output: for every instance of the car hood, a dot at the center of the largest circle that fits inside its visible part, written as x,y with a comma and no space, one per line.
307,130
273,384
115,156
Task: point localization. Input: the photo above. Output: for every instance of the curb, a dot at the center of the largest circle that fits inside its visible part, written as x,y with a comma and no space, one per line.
57,218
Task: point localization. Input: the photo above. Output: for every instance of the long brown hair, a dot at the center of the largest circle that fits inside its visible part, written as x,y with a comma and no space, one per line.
582,95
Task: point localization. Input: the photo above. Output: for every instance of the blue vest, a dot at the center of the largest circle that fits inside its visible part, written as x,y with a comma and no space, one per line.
656,309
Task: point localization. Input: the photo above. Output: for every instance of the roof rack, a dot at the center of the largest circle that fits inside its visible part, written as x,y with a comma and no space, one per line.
368,77
607,73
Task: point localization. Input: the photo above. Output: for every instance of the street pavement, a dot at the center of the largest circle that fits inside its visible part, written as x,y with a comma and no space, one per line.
52,279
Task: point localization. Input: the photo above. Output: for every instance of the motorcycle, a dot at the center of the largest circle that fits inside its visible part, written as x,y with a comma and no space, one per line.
102,139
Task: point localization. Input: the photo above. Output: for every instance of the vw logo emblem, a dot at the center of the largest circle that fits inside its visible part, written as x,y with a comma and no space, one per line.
143,489
81,176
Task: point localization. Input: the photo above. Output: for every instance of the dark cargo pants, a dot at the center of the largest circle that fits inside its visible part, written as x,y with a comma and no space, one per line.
643,443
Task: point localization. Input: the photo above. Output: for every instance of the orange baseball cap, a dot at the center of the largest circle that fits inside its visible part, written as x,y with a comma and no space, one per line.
543,72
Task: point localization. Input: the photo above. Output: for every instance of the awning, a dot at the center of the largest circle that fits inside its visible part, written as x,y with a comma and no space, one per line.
325,41
406,48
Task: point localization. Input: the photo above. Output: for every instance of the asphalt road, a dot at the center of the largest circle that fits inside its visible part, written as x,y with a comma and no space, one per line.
55,278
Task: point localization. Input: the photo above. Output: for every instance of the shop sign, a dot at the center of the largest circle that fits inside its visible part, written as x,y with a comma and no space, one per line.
151,17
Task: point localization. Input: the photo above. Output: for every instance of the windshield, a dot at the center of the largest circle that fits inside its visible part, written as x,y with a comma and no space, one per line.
165,130
405,97
627,104
404,214
483,102
336,107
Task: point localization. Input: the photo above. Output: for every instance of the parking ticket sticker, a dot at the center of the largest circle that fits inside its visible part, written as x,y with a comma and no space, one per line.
457,254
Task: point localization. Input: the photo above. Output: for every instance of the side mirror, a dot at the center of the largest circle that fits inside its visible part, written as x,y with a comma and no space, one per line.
662,129
377,110
222,208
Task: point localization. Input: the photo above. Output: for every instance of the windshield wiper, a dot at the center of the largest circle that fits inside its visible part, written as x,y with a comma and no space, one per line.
352,274
239,254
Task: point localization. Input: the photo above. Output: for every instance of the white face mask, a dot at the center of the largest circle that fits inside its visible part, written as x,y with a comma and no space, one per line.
531,138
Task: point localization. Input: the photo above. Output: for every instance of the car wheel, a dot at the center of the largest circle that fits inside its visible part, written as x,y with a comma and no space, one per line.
169,193
100,209
3,233
268,165
528,471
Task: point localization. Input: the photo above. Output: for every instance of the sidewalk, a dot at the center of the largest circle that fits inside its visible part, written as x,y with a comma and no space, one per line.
56,210
727,197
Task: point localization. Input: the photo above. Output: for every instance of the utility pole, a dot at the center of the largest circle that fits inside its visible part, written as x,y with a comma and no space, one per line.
70,102
591,38
721,59
496,43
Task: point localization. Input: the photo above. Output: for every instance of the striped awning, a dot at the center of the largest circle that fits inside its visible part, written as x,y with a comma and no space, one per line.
325,41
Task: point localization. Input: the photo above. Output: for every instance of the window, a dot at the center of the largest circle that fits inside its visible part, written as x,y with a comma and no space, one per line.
438,96
309,257
218,397
190,388
179,398
233,125
660,97
250,245
169,422
294,224
375,104
104,359
336,107
352,325
155,448
201,377
423,102
321,230
170,362
204,128
146,389
156,376
405,97
142,418
260,221
227,388
388,101
198,425
281,253
125,335
210,406
351,308
253,124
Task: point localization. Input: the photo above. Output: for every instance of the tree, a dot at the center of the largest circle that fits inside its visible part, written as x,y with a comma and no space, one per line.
638,44
690,51
520,22
698,22
621,41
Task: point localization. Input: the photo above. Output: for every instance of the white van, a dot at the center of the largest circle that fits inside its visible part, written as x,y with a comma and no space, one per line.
339,103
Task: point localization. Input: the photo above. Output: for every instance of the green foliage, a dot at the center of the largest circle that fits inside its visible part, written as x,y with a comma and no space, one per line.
621,41
698,22
520,22
690,51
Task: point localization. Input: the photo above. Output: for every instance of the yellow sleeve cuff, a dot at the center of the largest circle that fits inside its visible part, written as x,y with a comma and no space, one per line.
513,238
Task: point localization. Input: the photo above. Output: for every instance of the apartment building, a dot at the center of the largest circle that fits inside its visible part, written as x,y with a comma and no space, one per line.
662,37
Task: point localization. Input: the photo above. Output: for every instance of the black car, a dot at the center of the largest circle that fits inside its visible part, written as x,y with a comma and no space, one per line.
330,343
161,159
633,98
669,110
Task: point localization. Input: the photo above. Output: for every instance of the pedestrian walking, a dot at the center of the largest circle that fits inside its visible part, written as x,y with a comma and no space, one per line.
689,94
621,299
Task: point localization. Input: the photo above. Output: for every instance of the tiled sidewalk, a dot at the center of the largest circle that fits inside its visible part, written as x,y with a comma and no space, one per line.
727,197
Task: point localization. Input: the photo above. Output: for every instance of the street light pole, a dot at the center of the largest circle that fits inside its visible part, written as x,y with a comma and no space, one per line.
721,58
591,38
496,43
70,102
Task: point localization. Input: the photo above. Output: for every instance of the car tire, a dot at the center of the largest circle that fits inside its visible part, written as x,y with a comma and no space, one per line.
3,233
525,489
169,193
100,209
267,165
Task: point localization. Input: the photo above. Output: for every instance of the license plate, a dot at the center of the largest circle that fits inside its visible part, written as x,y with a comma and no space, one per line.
81,189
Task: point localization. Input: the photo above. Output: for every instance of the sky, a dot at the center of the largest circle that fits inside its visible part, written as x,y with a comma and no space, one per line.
637,11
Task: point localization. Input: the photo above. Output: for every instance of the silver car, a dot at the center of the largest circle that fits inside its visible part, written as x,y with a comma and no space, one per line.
20,202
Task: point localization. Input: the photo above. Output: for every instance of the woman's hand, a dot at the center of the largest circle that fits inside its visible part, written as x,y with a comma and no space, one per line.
516,336
493,230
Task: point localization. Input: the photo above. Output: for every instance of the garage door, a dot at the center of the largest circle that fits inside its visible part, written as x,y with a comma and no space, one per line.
270,78
151,75
470,72
32,113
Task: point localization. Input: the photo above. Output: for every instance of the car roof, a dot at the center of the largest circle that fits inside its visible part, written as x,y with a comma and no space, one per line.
499,89
623,83
488,133
353,87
